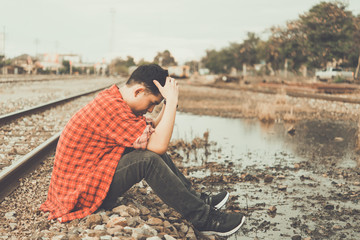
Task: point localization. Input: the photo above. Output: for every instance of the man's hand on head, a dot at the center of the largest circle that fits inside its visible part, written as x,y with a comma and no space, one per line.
170,91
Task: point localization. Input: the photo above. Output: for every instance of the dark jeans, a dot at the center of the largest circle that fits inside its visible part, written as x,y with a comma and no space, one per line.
164,178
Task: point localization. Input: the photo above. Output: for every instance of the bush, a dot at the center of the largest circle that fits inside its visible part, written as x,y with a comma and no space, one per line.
339,79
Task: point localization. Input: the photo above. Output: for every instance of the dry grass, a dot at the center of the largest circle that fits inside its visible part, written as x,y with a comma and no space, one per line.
266,112
290,116
280,98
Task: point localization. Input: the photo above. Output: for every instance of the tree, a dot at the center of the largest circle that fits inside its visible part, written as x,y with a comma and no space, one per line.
119,66
285,45
165,59
194,66
143,62
248,50
218,62
329,31
66,67
355,50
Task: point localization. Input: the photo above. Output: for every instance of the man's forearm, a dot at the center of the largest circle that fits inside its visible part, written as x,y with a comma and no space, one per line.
159,116
159,140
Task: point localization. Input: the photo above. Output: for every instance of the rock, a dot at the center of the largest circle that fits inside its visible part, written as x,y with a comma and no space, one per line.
191,234
133,211
144,211
74,223
357,183
338,139
282,187
168,237
153,238
105,218
336,227
162,214
184,228
296,166
143,231
296,237
166,210
167,224
10,215
42,225
106,237
134,221
281,177
13,226
329,207
74,237
154,221
302,178
74,230
249,177
272,209
99,227
93,219
59,237
268,178
122,210
128,230
117,221
291,130
115,230
95,233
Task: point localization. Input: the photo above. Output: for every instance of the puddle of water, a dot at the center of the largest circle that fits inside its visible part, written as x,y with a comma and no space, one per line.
252,145
250,142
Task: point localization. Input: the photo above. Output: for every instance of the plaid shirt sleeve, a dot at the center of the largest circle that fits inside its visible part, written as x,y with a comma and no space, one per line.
87,154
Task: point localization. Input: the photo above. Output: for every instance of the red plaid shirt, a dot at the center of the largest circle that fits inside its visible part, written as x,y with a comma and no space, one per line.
88,152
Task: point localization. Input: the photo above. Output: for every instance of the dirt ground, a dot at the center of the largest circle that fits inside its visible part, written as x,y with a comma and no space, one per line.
316,198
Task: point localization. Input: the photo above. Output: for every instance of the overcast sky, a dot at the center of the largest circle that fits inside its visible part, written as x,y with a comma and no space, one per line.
98,29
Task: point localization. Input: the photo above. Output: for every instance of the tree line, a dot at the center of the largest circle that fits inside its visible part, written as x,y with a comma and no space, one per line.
327,34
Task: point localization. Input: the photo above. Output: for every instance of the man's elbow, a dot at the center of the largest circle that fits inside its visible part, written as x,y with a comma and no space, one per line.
157,149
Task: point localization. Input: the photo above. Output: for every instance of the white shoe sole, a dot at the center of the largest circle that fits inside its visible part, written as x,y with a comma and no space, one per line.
222,203
224,234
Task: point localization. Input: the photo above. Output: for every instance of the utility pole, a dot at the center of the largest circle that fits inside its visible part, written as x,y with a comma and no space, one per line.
4,42
57,56
3,50
37,41
112,12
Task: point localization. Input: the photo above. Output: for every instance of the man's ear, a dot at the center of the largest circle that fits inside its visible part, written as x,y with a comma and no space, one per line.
139,90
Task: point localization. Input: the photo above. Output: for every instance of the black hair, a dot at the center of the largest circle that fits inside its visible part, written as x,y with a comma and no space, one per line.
145,74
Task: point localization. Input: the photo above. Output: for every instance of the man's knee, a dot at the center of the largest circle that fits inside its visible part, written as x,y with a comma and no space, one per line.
150,154
149,157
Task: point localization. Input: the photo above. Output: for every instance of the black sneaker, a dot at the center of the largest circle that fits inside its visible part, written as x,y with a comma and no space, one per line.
216,201
222,224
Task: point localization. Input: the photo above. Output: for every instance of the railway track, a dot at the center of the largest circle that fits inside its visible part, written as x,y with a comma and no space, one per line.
12,125
38,78
314,91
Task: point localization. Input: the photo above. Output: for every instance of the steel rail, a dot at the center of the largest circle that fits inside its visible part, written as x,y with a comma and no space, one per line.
289,92
14,115
9,176
43,79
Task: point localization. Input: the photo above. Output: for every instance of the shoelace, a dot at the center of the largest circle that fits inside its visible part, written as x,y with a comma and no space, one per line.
216,217
206,197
